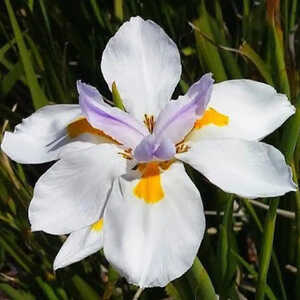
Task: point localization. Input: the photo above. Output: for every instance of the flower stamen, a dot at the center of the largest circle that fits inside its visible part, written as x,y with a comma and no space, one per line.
180,148
127,154
149,122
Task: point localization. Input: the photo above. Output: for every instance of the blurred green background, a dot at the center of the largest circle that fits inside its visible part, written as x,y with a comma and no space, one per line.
46,45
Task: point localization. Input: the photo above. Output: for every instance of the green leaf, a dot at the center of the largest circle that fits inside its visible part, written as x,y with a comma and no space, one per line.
118,7
262,67
172,292
97,12
275,45
200,282
85,291
116,97
208,53
46,288
15,294
16,253
11,78
38,97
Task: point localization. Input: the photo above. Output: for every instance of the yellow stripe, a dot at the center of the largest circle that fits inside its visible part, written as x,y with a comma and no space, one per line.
98,225
149,187
81,125
211,116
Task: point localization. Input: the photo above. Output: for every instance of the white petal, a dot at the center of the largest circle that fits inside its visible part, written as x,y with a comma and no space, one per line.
248,169
39,137
73,192
254,109
145,64
152,244
79,245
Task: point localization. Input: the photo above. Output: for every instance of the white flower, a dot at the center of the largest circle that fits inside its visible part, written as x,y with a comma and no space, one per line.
119,182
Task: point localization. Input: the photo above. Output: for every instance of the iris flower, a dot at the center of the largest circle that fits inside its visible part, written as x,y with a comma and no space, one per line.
119,182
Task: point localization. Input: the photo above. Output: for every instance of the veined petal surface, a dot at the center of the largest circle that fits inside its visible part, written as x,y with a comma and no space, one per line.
39,138
254,110
154,243
179,116
152,149
249,169
79,244
114,122
73,192
145,65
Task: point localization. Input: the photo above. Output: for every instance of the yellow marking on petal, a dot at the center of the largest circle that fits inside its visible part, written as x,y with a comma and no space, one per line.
81,125
149,187
211,116
98,225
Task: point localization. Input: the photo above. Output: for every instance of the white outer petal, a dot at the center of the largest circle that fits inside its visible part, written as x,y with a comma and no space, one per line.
145,64
152,244
78,245
39,138
249,169
73,192
254,109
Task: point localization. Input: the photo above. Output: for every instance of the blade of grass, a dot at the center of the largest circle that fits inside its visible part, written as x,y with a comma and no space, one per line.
252,271
17,255
118,8
200,282
292,16
262,67
266,249
97,12
218,28
31,5
206,51
85,291
46,288
15,294
6,47
258,223
38,97
224,244
276,46
182,288
289,140
172,292
47,22
10,79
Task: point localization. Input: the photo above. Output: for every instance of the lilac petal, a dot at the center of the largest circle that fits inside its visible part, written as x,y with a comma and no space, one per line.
200,92
178,117
150,149
145,150
112,121
166,150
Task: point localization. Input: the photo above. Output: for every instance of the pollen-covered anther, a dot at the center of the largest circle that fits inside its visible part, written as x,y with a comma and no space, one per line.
127,153
149,122
180,148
